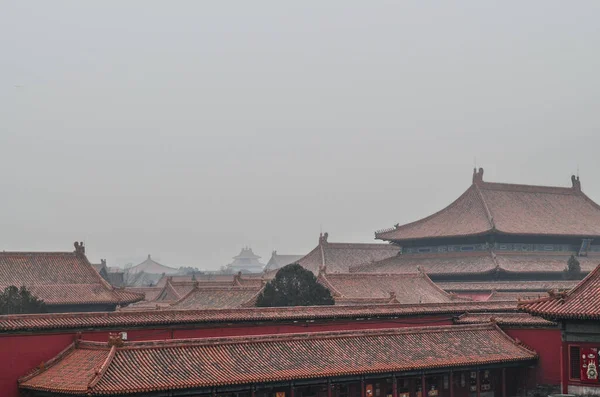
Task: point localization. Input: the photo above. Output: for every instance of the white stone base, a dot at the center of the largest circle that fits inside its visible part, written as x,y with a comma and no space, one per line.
584,390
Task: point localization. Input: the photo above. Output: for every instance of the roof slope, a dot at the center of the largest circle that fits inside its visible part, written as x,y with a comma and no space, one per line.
452,263
60,278
218,298
98,369
508,209
405,288
582,302
340,257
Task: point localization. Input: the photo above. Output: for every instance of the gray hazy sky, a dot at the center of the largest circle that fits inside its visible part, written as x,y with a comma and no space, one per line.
190,129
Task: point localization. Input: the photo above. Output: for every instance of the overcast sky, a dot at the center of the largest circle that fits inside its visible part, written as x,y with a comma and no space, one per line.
191,129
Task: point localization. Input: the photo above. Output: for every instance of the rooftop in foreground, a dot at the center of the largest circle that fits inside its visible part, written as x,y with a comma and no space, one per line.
93,368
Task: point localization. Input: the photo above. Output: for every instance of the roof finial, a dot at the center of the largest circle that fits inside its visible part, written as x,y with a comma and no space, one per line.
79,248
323,237
477,175
576,183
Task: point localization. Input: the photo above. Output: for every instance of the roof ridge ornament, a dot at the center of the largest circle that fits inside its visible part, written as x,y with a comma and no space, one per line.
576,183
477,176
79,248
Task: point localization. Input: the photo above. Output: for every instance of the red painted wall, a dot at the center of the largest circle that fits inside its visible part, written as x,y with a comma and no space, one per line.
547,343
22,353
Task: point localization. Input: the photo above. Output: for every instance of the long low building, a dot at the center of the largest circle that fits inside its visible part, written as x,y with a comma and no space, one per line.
361,363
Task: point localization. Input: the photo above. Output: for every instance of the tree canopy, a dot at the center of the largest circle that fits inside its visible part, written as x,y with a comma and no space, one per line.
573,270
293,285
15,300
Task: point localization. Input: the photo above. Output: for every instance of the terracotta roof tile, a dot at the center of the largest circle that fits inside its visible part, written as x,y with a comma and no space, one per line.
506,286
582,302
515,296
477,263
218,298
278,261
93,368
405,288
340,257
508,209
30,322
524,319
60,278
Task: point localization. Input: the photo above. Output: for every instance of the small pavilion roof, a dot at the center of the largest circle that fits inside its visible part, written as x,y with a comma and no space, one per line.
453,263
406,288
218,298
511,209
60,278
95,368
339,257
152,267
278,261
582,302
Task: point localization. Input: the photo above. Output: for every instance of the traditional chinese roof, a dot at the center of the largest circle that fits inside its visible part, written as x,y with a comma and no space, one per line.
486,208
246,261
339,257
278,261
218,298
482,262
403,288
208,279
95,368
523,319
152,267
150,293
506,286
582,302
60,278
38,322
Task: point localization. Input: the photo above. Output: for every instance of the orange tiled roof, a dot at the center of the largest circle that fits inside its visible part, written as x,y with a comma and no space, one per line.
453,263
508,209
340,257
93,368
524,319
405,288
37,322
582,302
60,278
506,286
218,298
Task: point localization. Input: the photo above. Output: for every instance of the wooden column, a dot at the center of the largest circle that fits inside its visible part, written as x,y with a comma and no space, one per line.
292,389
329,387
478,384
424,386
451,381
362,386
503,382
394,386
252,391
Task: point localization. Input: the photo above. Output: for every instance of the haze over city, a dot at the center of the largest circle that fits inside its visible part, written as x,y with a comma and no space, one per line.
191,130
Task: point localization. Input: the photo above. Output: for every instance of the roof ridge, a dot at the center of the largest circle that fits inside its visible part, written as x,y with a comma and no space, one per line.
322,277
485,206
103,368
528,188
265,338
516,342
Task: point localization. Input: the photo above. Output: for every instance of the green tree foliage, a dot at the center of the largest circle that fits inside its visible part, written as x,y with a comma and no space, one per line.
573,270
20,301
293,285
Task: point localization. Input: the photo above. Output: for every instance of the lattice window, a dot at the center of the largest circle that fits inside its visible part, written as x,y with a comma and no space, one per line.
574,362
